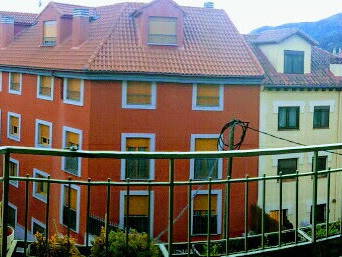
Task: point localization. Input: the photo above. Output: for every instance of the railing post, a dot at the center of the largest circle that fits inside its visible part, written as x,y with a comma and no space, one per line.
263,211
189,216
107,214
227,215
314,197
27,191
209,219
328,205
280,209
246,213
297,211
88,210
171,199
47,212
5,193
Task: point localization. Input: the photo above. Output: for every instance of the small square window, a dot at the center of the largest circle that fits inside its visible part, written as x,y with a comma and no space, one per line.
320,213
70,209
13,126
139,95
72,139
45,87
43,133
294,62
15,81
288,117
40,188
200,214
162,31
14,171
275,215
73,91
50,33
207,97
287,166
321,117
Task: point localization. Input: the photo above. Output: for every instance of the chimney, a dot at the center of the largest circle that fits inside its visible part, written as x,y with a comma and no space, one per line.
80,26
6,30
209,5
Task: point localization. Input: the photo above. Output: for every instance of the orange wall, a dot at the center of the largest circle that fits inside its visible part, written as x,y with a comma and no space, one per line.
102,121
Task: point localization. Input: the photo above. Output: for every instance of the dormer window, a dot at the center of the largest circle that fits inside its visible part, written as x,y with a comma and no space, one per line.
162,31
50,33
293,62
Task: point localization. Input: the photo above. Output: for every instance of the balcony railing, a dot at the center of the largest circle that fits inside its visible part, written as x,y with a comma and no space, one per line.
264,241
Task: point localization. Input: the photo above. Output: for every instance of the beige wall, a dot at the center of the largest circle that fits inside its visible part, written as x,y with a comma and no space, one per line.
336,69
306,100
275,52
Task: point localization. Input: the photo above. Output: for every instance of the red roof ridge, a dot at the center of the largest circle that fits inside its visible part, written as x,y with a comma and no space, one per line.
104,40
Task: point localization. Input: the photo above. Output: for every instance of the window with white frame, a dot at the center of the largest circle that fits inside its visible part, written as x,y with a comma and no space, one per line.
0,80
13,126
139,214
37,227
43,133
45,85
200,211
137,169
73,92
40,188
207,97
15,83
70,211
72,139
139,95
12,215
14,171
203,168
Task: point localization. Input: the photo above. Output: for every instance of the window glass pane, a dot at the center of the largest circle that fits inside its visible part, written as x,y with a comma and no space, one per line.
73,89
162,30
321,117
293,62
292,113
15,81
200,214
13,169
45,85
12,216
139,93
205,168
138,205
287,166
137,168
282,117
208,95
43,134
50,32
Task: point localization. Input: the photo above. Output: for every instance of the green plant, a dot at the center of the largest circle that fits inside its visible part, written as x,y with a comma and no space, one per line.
58,246
139,245
215,249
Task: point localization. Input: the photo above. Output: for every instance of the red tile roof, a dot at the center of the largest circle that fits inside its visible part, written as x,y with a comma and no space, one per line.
320,73
212,47
67,9
23,18
279,35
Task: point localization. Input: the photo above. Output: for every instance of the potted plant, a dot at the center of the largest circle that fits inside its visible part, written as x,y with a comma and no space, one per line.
58,246
139,245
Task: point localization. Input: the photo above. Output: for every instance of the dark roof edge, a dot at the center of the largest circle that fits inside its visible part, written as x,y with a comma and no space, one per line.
171,78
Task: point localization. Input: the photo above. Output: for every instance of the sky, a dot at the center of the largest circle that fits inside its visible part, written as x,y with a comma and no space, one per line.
246,14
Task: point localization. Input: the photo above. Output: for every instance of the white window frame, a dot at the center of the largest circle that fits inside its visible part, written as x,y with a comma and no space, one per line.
14,92
15,183
195,107
1,75
34,220
34,194
192,149
10,136
73,102
194,193
122,207
46,123
80,133
78,189
44,97
151,106
124,137
16,213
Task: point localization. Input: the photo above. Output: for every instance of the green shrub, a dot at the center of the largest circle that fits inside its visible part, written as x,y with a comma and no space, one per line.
139,245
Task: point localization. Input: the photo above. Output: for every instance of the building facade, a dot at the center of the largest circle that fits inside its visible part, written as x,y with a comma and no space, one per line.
300,102
125,77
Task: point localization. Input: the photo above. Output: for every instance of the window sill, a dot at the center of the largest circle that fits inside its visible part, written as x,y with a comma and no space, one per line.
71,102
43,97
136,106
43,146
15,138
287,129
40,198
207,108
321,128
14,92
14,183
